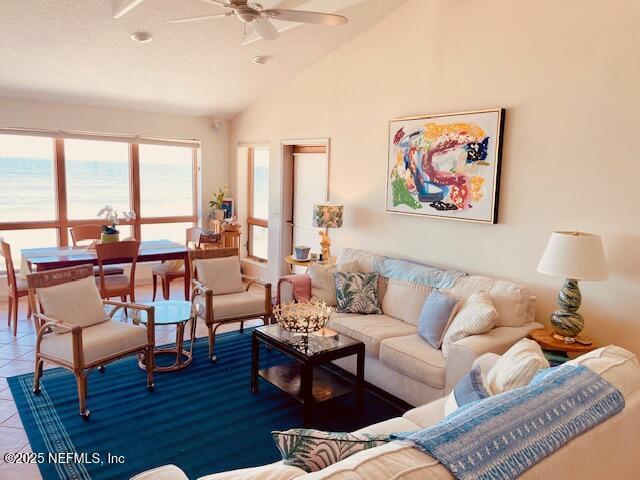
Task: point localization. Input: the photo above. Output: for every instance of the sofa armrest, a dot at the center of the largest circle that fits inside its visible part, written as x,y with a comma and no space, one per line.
486,361
463,353
274,471
166,472
427,415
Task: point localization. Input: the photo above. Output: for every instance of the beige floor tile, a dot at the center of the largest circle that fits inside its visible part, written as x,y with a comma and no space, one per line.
17,367
13,422
7,410
6,394
12,351
12,440
18,471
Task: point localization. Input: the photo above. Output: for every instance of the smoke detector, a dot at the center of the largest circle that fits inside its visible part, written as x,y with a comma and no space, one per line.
261,59
142,37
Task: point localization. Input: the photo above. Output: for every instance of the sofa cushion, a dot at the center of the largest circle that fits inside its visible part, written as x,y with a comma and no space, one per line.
404,300
476,316
233,305
323,283
357,292
427,415
76,303
98,341
616,365
220,275
437,314
415,358
312,450
395,460
274,471
510,299
372,329
366,260
393,425
516,367
471,388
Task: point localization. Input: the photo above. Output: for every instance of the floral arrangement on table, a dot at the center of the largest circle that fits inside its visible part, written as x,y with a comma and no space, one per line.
110,232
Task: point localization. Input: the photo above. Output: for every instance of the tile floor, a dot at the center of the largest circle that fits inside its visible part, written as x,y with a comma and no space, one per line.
16,357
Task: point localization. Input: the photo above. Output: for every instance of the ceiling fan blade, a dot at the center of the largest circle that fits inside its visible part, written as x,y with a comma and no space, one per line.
201,18
265,29
124,7
306,17
217,2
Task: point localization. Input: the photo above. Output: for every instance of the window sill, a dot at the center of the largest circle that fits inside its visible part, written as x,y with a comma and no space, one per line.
256,262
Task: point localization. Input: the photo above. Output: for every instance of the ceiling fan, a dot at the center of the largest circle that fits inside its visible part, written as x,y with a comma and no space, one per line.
252,14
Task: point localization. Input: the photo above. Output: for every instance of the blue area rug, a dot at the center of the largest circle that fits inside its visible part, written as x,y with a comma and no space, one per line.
203,418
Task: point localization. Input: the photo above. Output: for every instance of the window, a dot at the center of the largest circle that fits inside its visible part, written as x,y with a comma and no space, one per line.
49,184
27,175
166,181
258,219
97,175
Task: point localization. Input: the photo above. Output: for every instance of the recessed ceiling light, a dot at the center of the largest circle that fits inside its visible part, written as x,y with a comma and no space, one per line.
142,37
261,59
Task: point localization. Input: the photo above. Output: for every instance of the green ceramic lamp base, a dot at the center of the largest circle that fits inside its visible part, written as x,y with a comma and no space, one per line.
566,321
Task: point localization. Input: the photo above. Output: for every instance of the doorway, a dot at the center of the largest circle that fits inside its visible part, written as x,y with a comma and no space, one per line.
305,183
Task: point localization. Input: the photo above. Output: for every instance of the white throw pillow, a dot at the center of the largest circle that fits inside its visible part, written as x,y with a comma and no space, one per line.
323,284
221,275
76,303
616,365
516,367
476,316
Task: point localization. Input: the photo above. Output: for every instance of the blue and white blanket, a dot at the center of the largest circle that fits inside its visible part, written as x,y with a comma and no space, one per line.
413,272
501,437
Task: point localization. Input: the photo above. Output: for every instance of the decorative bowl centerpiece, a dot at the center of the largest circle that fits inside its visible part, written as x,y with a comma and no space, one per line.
302,317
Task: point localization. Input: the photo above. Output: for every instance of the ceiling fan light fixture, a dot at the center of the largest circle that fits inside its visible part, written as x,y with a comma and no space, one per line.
260,59
142,37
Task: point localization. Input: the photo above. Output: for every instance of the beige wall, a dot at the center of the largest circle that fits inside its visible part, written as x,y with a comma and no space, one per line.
567,72
57,116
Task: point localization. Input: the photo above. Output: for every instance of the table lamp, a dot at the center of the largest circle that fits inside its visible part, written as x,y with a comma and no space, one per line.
326,215
574,256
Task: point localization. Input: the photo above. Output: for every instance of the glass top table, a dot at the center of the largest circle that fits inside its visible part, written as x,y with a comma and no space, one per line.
170,312
300,378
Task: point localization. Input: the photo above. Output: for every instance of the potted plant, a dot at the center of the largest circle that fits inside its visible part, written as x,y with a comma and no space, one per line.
216,202
110,232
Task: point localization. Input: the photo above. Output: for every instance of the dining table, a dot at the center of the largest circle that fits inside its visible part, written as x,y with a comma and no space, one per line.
48,258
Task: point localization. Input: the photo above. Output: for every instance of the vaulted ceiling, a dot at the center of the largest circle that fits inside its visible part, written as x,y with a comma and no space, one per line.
74,51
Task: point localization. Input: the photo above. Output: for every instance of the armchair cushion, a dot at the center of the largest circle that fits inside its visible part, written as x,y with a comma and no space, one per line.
221,275
75,303
241,304
98,341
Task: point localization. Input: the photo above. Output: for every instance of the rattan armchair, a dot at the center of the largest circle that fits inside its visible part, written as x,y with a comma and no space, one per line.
84,348
217,310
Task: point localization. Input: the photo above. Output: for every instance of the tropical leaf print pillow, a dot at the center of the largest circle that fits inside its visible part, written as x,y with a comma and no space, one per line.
313,450
357,292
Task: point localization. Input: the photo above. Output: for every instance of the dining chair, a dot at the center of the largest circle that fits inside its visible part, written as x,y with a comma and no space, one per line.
83,233
122,286
174,269
221,294
17,287
76,333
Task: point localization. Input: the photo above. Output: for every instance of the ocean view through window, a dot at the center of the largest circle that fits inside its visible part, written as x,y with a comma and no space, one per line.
48,184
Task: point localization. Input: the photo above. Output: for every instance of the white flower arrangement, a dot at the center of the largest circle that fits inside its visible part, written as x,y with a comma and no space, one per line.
110,214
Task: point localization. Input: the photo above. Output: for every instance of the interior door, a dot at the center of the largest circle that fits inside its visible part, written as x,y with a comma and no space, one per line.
310,186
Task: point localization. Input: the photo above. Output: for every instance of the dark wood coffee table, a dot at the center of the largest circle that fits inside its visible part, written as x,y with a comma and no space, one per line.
300,378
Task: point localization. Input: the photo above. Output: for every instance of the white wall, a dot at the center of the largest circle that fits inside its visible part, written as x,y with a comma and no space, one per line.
57,116
567,73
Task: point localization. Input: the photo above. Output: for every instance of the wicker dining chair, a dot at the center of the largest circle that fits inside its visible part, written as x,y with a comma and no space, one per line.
221,294
122,286
17,288
92,232
76,333
174,269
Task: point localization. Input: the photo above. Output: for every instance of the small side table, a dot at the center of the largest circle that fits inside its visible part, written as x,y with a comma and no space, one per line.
557,351
171,312
291,260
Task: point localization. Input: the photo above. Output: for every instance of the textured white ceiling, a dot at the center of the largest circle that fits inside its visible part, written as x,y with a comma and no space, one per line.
73,51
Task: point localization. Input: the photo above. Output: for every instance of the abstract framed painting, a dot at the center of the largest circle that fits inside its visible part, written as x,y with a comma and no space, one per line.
446,165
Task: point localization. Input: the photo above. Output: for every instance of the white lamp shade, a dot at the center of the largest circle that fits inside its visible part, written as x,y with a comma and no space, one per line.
574,255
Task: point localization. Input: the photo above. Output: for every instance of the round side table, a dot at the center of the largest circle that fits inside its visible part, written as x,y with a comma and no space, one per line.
291,260
171,312
557,351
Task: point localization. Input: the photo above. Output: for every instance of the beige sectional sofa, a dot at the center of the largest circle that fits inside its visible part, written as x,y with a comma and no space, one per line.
398,360
607,451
